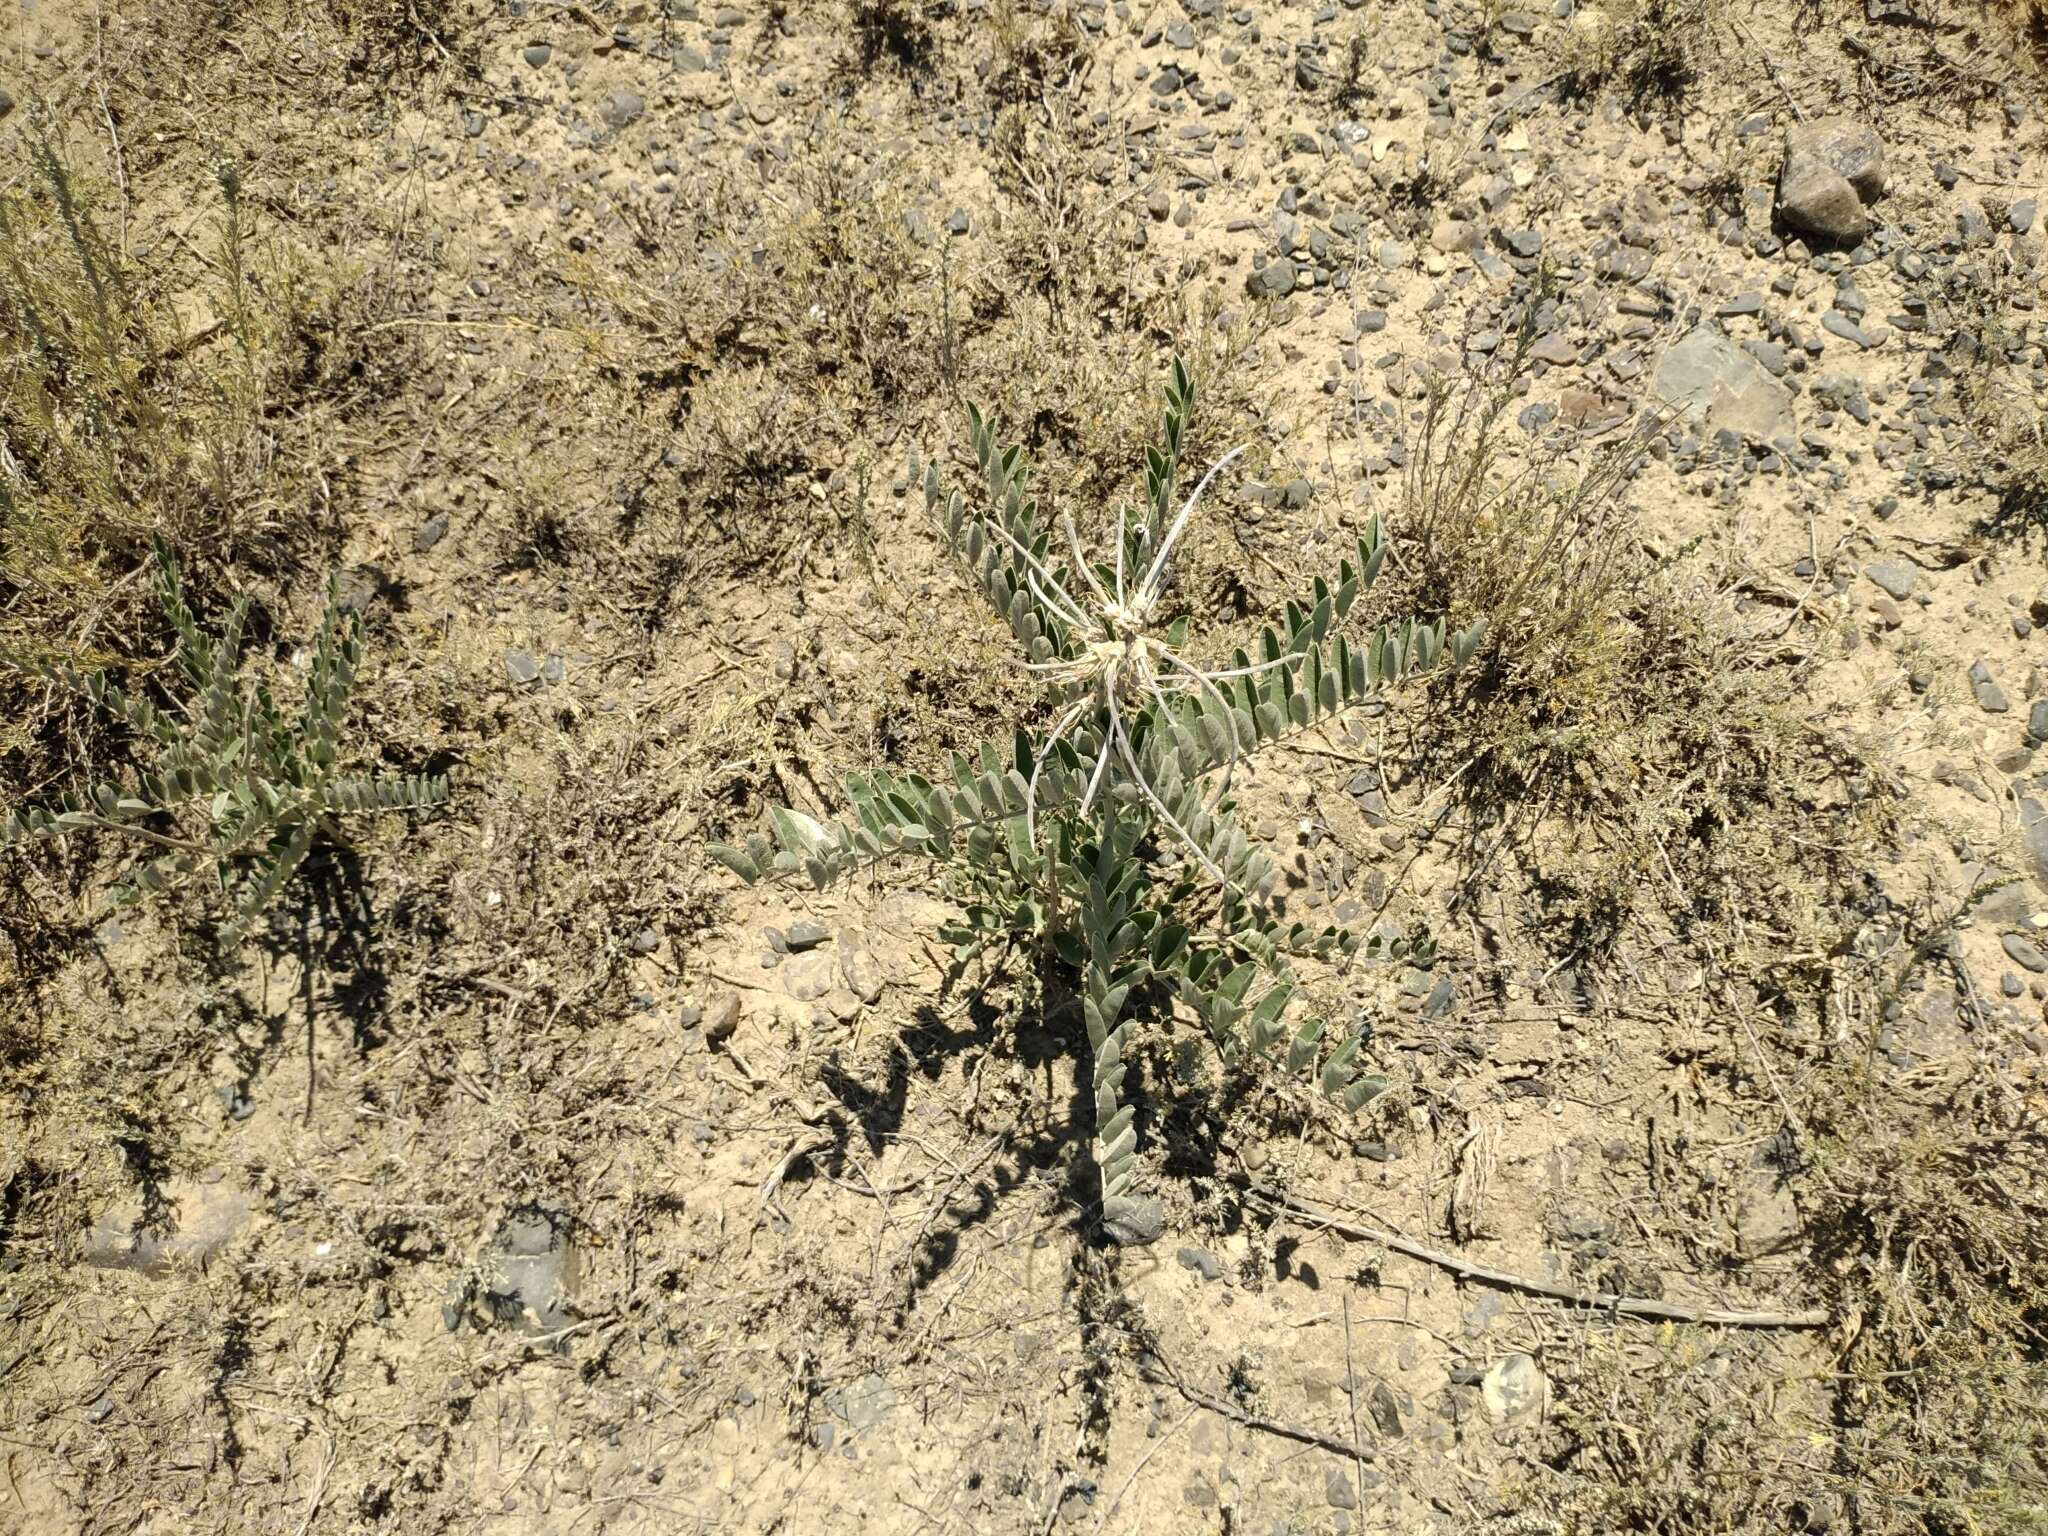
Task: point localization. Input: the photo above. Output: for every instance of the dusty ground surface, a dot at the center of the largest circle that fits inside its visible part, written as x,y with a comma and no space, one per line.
515,1180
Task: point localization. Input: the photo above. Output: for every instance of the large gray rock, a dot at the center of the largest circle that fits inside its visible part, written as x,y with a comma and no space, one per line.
1833,170
532,1269
1706,377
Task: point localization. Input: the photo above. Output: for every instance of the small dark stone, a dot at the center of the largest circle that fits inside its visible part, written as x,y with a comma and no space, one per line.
1990,697
521,669
1202,1262
1386,1412
537,54
806,935
430,533
1339,1489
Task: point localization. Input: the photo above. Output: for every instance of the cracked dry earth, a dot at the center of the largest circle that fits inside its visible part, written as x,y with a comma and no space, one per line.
585,1191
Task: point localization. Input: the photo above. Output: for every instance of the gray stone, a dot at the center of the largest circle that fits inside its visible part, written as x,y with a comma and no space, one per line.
2037,721
1833,168
2020,216
430,533
1514,1388
862,973
808,977
1715,383
722,1018
622,109
1274,280
188,1225
1133,1220
839,1004
800,936
1385,1410
862,1404
1339,1488
521,669
531,1270
1990,697
537,54
1203,1262
1897,580
2024,953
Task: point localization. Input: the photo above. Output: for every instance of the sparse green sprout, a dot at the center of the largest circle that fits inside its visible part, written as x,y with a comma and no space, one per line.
239,792
1108,841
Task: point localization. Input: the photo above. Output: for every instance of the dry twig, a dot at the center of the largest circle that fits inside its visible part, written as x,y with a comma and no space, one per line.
1597,1301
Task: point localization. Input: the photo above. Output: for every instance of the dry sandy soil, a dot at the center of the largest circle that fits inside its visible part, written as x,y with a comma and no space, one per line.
527,1173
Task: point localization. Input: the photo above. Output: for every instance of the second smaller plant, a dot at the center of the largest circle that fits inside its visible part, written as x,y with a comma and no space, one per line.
239,791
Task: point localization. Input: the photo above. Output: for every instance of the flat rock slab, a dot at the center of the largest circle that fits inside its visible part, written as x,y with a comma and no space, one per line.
1717,384
187,1225
533,1267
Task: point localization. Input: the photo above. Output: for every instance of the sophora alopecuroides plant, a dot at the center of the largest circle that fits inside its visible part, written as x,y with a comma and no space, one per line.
1106,838
239,791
